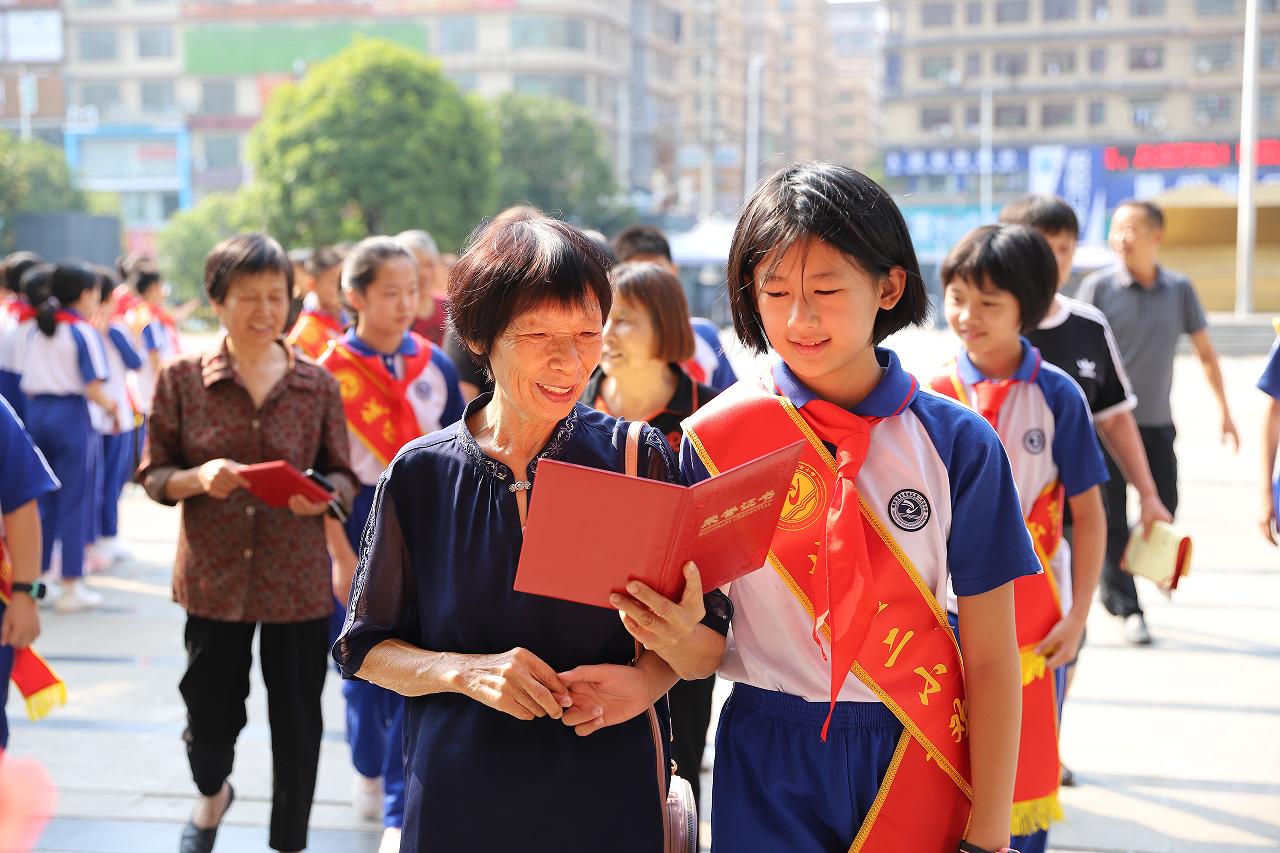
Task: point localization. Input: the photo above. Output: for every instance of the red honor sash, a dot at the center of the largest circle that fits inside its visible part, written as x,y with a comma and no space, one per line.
32,675
1037,609
908,655
313,331
378,412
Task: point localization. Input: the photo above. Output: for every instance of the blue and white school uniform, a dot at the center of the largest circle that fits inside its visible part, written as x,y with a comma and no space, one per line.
1269,384
1047,430
709,354
57,370
155,337
777,786
24,477
121,437
374,714
13,356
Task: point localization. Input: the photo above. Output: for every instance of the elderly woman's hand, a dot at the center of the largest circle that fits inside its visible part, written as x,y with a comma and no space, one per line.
517,682
654,620
605,695
220,477
298,505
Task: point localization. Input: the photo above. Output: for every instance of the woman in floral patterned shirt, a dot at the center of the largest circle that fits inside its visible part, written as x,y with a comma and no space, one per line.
241,563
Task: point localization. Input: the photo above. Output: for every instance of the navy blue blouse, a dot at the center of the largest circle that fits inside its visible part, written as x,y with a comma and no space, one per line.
437,565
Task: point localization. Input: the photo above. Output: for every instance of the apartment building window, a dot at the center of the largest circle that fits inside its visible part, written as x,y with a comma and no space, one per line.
546,32
1101,10
1215,7
973,14
569,87
94,4
104,96
1097,59
1146,8
457,35
1055,62
1214,56
1268,56
1057,115
1061,10
936,14
1267,107
932,118
1011,115
218,97
222,151
155,42
1146,57
1146,112
157,96
972,117
1212,109
1097,113
935,67
1013,11
1011,64
98,44
973,65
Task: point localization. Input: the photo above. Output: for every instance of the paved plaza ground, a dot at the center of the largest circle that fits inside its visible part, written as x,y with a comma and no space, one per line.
1176,747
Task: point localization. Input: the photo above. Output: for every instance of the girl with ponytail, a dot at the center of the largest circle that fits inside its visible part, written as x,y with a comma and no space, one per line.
65,369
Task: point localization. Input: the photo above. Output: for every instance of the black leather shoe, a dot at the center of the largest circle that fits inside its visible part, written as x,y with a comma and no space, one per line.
197,840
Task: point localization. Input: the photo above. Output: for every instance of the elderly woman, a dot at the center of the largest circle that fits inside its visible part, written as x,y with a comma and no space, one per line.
503,686
243,566
646,338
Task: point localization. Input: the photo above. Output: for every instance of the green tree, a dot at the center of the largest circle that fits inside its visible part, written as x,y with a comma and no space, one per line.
35,179
374,140
185,240
553,157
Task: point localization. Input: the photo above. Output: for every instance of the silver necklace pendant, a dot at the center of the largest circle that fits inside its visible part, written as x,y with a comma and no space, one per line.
519,486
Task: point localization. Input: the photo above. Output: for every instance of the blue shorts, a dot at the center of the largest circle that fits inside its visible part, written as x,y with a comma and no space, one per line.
779,787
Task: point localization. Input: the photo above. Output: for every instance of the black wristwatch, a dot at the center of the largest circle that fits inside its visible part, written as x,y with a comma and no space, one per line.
35,589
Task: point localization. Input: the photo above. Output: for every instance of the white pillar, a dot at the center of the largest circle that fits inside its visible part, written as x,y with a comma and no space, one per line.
1247,215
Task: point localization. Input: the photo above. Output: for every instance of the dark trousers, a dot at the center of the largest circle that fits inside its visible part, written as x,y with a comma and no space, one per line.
215,687
690,716
1119,595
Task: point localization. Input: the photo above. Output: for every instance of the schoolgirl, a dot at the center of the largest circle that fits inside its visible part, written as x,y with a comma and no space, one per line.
395,387
322,319
14,312
854,722
24,478
155,328
999,282
65,370
121,435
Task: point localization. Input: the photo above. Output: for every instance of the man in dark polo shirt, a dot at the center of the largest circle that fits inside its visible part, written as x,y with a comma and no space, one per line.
1149,308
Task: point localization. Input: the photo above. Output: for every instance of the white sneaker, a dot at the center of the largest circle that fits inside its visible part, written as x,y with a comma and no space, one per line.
113,549
77,598
390,840
366,797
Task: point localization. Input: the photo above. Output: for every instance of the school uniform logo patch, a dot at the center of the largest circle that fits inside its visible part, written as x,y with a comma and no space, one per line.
909,510
1033,441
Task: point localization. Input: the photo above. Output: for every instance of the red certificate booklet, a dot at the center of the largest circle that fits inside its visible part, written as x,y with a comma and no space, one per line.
276,482
592,531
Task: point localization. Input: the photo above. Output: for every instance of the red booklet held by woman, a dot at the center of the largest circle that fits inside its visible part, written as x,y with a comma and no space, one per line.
592,531
276,482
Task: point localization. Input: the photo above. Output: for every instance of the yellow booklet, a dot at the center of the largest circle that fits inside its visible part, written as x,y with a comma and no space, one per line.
1164,557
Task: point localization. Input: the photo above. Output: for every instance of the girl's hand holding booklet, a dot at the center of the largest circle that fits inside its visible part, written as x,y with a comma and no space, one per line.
590,532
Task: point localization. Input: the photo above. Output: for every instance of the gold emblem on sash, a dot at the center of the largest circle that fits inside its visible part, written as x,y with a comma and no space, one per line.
348,384
806,499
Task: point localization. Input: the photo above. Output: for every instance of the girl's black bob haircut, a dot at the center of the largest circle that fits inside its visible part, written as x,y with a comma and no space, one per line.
1013,258
843,208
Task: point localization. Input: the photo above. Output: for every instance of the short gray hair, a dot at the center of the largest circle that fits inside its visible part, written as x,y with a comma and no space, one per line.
418,240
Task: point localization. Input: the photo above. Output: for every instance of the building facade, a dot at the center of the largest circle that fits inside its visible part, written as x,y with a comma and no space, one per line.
1094,99
857,37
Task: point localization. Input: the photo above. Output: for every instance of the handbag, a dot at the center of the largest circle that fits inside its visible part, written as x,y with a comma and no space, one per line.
679,811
